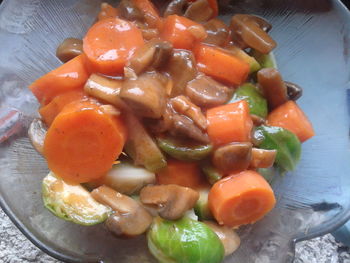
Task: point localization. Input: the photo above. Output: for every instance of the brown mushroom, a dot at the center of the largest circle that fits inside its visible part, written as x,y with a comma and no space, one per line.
69,48
172,201
130,217
206,92
129,11
145,95
154,53
163,124
175,7
294,91
262,158
227,235
233,157
218,32
273,86
36,133
249,30
184,106
184,127
105,89
257,120
182,68
199,11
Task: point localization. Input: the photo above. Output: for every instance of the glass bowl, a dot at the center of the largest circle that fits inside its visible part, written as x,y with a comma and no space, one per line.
313,51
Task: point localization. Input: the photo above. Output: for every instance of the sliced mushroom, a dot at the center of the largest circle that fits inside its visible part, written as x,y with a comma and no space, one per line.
69,48
149,33
162,54
257,120
233,157
199,11
163,124
184,106
273,86
37,132
294,91
129,219
176,7
182,69
249,30
206,92
184,127
145,95
105,89
130,12
227,235
218,32
172,201
263,158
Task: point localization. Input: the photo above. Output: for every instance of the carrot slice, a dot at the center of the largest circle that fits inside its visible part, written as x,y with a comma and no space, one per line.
152,16
292,118
69,76
185,174
83,142
220,64
176,31
229,123
241,199
49,112
110,43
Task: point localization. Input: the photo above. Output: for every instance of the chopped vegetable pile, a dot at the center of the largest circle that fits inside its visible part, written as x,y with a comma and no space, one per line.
160,111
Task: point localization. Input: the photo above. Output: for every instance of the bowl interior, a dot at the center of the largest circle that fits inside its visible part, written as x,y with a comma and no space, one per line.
313,51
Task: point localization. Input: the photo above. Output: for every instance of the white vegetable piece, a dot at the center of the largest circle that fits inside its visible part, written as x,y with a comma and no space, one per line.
128,179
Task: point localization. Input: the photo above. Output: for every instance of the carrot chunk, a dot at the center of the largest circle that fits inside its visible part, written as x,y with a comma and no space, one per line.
292,118
83,142
229,123
241,199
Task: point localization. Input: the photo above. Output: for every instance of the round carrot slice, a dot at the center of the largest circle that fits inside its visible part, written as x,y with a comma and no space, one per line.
83,142
241,199
110,43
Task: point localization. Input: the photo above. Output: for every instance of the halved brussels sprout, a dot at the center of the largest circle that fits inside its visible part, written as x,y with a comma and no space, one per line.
184,241
72,202
202,208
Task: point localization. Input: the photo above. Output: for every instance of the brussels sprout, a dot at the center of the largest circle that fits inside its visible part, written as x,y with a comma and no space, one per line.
184,151
202,208
285,142
184,241
72,202
257,103
212,174
265,60
267,173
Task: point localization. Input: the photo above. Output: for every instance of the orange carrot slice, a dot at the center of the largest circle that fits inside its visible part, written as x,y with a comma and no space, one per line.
70,76
176,31
107,11
49,112
292,118
221,65
185,174
241,199
83,142
110,43
229,123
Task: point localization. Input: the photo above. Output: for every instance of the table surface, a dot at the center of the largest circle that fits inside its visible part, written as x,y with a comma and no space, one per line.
15,248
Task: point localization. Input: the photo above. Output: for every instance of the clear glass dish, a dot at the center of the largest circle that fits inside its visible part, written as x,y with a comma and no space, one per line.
313,51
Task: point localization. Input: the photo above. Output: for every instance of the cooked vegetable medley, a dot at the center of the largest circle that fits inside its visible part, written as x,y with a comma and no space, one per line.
159,111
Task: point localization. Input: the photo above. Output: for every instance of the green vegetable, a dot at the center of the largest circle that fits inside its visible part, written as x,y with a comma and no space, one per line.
285,142
201,208
212,174
257,102
265,60
184,151
72,202
184,241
